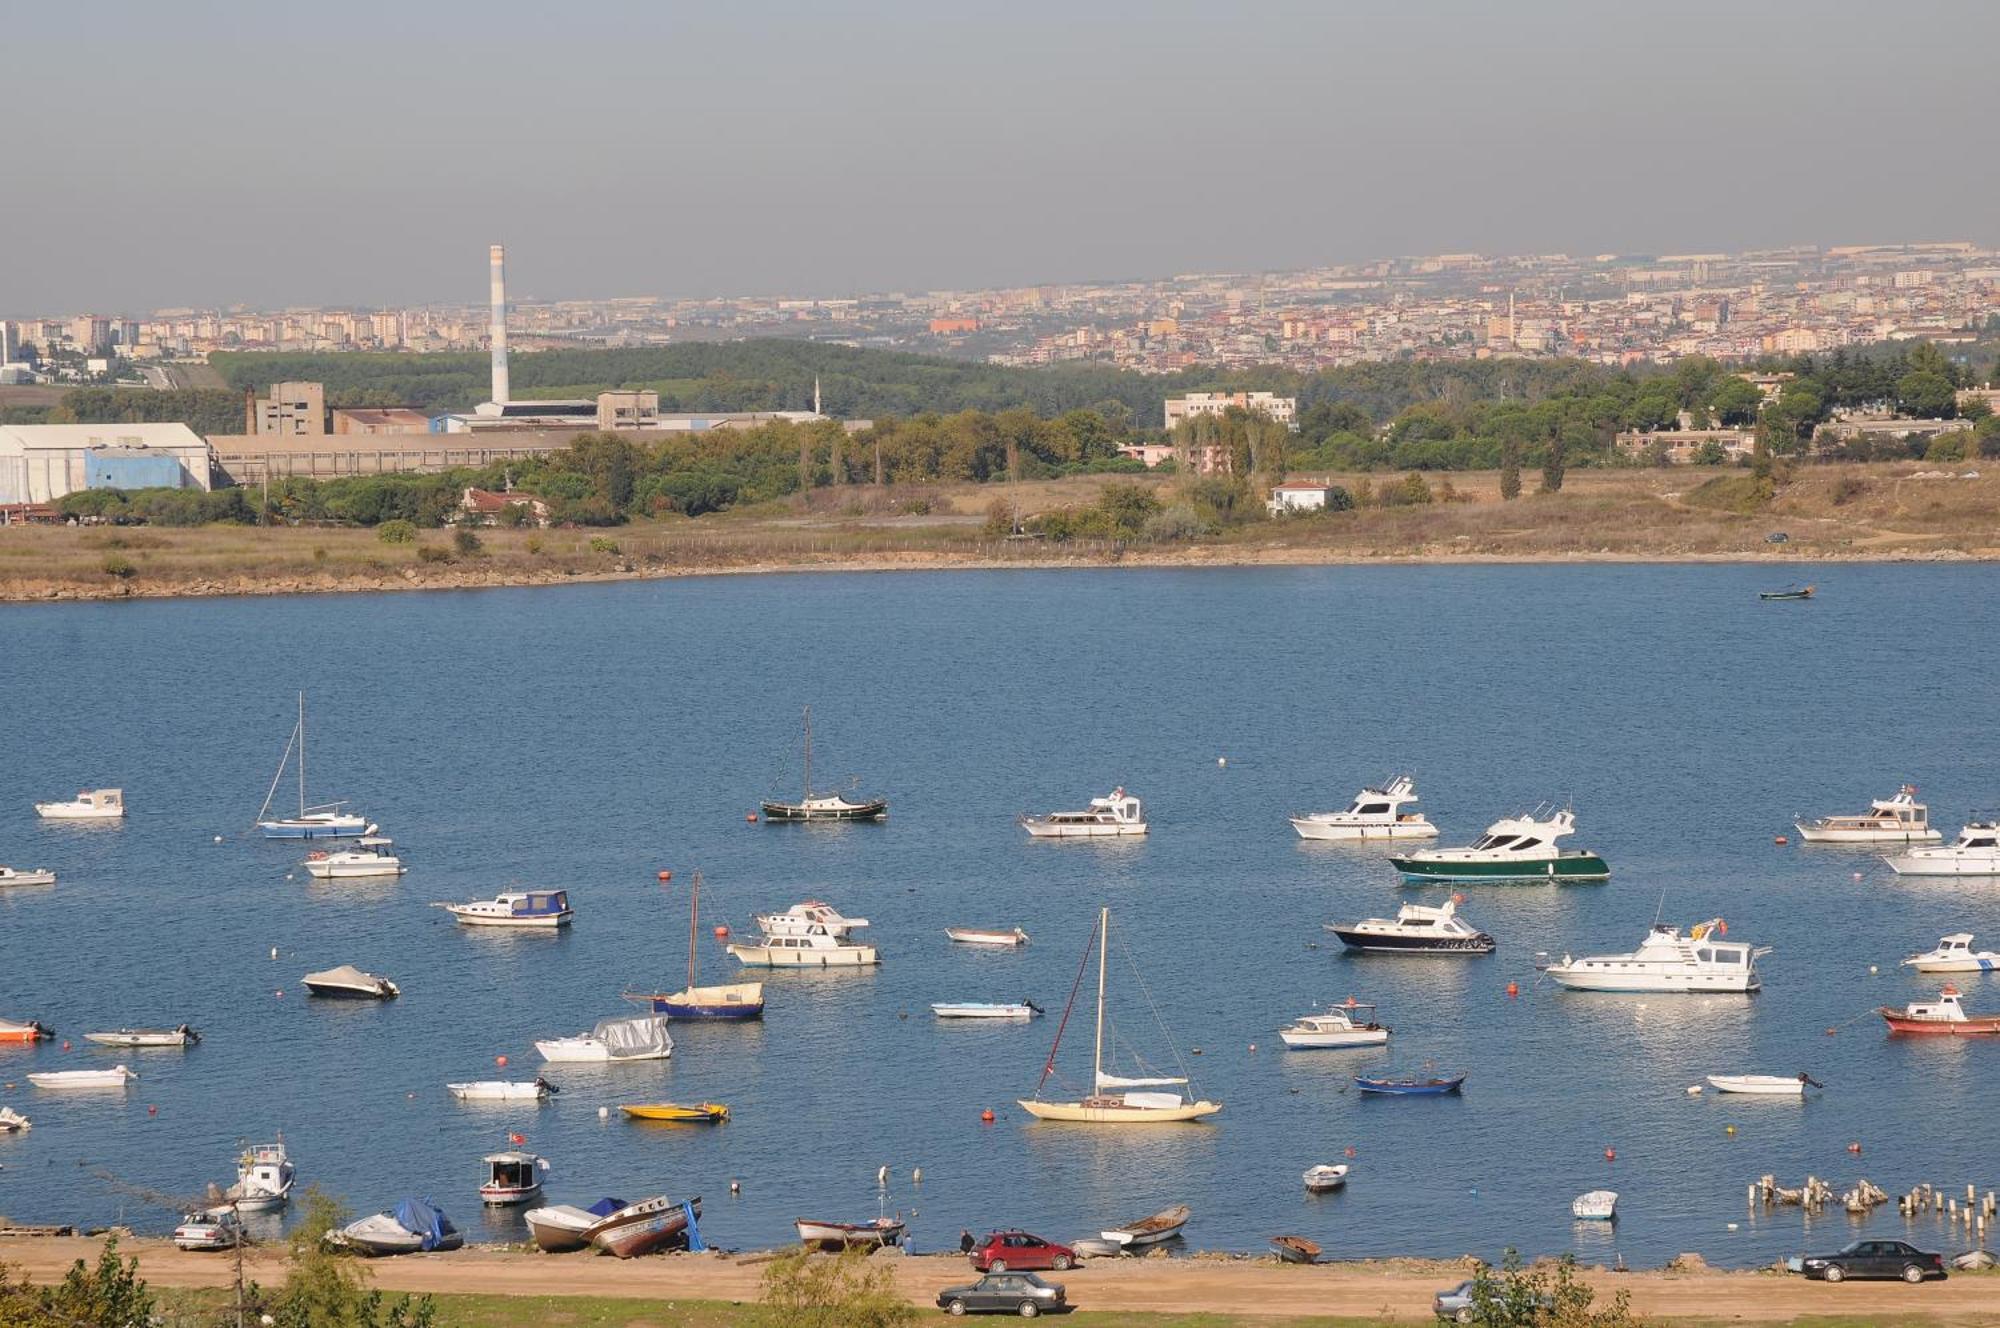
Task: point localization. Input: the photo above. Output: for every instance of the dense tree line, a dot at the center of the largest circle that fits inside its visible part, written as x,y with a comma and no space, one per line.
205,410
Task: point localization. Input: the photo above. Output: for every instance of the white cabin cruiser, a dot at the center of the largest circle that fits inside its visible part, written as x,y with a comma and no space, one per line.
1954,954
641,1038
1118,813
816,947
1374,814
1667,961
89,805
515,908
372,855
264,1177
1976,852
1349,1025
1514,848
15,876
349,983
801,919
1896,820
1416,929
512,1177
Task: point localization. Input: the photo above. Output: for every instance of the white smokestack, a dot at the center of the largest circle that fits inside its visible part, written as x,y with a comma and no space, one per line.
497,332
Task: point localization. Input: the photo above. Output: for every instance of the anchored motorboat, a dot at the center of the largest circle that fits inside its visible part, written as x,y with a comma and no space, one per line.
1976,852
813,806
814,946
1893,820
1326,1176
116,1077
678,1113
986,936
88,805
1410,1085
264,1177
1116,814
372,855
985,1009
1515,848
722,1000
1668,962
16,876
325,821
349,983
1945,1015
412,1225
808,918
145,1037
12,1121
1595,1206
23,1030
1375,813
1954,954
1416,929
642,1038
503,1090
1351,1024
515,908
1764,1085
512,1177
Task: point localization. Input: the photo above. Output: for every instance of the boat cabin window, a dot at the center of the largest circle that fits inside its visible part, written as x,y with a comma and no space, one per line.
1527,843
1375,809
1494,841
1704,956
1979,843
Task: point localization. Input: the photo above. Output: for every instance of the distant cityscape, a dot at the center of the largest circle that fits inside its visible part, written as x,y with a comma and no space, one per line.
1611,309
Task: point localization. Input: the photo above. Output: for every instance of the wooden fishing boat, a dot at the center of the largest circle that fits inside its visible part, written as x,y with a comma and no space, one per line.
1410,1085
677,1113
850,1235
512,1177
1789,592
1295,1249
1163,1225
560,1228
646,1227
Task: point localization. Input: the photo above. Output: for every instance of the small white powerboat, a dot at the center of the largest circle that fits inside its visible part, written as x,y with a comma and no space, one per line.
264,1178
12,1121
515,908
1976,852
1764,1085
512,1177
983,936
1112,816
1326,1176
372,855
116,1077
1596,1206
145,1037
89,805
349,983
15,876
642,1038
502,1090
1954,954
1348,1025
985,1010
1375,813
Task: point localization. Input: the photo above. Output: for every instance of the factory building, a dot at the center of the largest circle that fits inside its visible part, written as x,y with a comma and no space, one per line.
39,463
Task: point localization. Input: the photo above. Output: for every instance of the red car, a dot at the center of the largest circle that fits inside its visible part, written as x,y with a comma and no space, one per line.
1017,1251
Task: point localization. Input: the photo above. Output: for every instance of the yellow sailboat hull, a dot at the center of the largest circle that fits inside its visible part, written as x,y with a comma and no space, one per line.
1113,1113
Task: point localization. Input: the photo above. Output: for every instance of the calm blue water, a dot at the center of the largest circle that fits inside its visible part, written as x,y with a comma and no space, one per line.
591,736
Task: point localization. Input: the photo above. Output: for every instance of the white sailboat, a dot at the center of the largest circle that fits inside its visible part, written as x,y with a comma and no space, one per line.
326,821
1113,1099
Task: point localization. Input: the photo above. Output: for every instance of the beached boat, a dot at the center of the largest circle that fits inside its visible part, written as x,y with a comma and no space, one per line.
822,806
1954,954
349,983
1375,813
324,821
1976,852
816,948
1764,1085
1669,963
145,1037
1410,1085
1116,815
814,917
1416,929
215,1228
1295,1249
503,1090
1351,1024
1944,1016
116,1077
1789,592
412,1225
720,1000
16,876
1161,1226
1326,1176
23,1030
647,1227
560,1228
512,1177
515,908
1515,848
678,1113
1893,820
264,1178
372,855
88,805
1114,1099
12,1121
1595,1206
613,1041
985,1009
984,936
844,1235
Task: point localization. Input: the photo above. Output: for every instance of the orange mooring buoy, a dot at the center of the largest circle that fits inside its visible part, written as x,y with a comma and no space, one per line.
987,1115
722,933
1610,1155
1779,839
666,876
1513,989
750,817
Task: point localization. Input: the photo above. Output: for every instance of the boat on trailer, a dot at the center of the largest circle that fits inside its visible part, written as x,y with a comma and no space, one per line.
1375,813
813,806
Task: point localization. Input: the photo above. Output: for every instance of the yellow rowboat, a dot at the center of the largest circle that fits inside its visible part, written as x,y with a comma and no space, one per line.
700,1113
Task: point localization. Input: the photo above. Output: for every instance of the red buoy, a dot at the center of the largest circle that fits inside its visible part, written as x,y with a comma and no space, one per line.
722,933
1513,989
666,876
1779,839
987,1115
1350,1150
65,1044
1610,1155
152,1110
1854,1147
500,1061
751,818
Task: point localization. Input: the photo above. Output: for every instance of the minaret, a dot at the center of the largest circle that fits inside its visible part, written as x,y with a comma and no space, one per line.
1513,329
816,409
496,257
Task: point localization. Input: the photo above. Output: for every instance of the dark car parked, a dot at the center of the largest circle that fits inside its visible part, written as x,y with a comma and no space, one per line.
1004,1293
1873,1258
1020,1251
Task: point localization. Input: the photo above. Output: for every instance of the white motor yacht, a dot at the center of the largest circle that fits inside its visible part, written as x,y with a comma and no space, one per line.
1897,820
802,919
1375,813
372,855
15,876
816,947
641,1038
1667,961
1976,852
264,1177
1416,929
1116,814
89,805
515,908
1514,848
1348,1025
1954,954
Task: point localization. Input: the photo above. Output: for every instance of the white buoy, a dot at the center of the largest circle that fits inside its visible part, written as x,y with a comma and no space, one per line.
1222,760
1732,1226
916,1175
603,1112
736,1187
1872,970
1694,1090
274,952
218,839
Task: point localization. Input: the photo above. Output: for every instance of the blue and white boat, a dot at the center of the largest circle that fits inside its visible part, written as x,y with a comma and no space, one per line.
1410,1085
724,1000
326,821
515,908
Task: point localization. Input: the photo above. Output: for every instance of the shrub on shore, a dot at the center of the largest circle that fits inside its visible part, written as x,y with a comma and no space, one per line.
1544,1296
111,1295
846,1290
397,531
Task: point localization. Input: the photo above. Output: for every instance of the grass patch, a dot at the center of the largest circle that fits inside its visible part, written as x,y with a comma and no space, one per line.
1744,495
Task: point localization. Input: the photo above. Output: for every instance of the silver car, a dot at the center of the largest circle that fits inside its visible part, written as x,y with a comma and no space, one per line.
212,1229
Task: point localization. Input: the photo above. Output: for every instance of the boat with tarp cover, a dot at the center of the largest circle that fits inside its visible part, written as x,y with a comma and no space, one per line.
643,1038
412,1225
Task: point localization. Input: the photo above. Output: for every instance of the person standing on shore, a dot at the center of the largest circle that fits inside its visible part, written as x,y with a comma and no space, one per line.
965,1241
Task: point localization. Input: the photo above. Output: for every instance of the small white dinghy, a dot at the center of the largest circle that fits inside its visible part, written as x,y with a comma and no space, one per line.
985,1010
502,1090
15,876
1764,1085
1596,1206
145,1037
1325,1176
116,1077
982,936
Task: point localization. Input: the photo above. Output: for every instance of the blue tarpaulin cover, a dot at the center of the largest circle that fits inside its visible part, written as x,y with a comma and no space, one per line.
694,1240
423,1218
605,1207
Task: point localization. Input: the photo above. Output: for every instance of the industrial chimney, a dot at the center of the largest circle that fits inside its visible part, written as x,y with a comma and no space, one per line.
497,333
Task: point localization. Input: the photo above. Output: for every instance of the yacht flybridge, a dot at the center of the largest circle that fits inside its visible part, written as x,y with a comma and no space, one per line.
1116,814
1416,929
1375,813
1897,820
1517,848
823,806
1667,961
1114,1099
1976,852
326,821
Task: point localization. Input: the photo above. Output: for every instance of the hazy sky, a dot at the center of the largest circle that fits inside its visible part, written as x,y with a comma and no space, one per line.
353,151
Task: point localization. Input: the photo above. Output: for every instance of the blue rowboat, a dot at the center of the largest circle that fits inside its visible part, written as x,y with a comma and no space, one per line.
1410,1085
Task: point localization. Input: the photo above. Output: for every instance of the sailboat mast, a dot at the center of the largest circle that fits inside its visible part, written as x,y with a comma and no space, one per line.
302,754
809,754
694,914
1103,946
